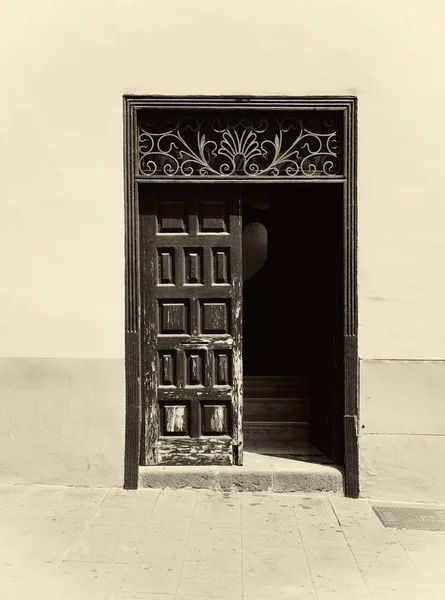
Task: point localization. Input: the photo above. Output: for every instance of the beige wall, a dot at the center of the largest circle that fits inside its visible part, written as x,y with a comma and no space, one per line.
61,421
64,68
402,427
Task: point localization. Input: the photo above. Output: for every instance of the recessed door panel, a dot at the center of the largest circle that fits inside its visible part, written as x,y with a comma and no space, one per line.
191,314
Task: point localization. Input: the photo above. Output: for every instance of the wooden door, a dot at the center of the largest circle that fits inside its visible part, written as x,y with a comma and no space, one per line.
191,293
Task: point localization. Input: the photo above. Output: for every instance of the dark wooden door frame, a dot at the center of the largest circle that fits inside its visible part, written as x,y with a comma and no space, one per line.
346,104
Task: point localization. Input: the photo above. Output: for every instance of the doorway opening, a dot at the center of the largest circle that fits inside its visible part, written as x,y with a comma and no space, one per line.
303,326
292,321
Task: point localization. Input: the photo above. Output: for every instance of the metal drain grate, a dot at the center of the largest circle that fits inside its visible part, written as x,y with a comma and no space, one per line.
401,517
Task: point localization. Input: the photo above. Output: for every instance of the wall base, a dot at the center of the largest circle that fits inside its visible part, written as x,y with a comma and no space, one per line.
62,421
402,430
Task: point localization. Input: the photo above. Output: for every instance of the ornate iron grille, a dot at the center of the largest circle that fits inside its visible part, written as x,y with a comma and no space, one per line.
245,144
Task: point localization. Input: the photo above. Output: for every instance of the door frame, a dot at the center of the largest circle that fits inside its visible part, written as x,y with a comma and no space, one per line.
133,390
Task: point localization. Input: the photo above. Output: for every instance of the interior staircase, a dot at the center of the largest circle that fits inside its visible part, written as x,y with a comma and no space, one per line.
276,408
276,417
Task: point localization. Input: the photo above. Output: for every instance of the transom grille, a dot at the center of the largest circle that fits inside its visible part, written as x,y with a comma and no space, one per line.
216,144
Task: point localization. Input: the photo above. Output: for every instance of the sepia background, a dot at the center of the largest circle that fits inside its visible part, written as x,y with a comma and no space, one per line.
64,69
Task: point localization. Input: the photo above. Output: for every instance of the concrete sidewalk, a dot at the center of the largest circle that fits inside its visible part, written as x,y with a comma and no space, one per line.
78,543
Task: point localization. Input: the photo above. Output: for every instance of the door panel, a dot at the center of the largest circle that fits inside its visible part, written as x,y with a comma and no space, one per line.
191,324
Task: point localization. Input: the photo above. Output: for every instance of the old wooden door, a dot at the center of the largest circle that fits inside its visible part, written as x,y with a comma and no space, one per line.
191,294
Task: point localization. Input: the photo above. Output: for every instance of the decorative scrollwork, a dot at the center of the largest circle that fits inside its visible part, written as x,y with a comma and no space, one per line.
217,145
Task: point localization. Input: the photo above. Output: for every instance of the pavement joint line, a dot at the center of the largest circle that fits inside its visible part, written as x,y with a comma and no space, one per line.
352,552
305,552
184,554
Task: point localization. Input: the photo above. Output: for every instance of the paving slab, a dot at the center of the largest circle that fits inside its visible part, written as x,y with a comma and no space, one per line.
84,543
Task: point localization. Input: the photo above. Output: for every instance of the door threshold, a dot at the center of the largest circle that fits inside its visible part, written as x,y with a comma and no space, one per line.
260,473
300,450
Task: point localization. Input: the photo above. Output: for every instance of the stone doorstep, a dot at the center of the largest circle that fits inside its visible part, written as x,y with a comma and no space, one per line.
260,473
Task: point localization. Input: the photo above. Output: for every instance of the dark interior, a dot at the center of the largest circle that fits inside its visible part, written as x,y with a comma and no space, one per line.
293,305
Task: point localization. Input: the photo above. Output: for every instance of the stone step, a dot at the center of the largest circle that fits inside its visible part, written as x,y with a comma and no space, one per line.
260,473
275,386
286,430
276,409
299,450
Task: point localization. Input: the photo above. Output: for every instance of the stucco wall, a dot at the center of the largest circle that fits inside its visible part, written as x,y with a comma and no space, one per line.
64,69
61,421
